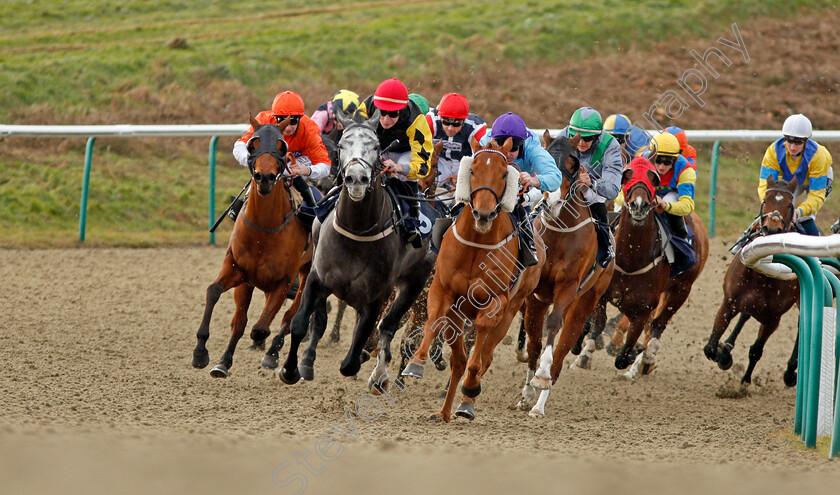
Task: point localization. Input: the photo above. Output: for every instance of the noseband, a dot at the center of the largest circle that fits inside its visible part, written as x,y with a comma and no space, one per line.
376,167
495,195
630,193
267,146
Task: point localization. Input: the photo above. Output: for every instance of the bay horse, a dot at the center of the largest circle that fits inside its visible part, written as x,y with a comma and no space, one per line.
267,249
748,293
360,257
570,279
477,276
642,288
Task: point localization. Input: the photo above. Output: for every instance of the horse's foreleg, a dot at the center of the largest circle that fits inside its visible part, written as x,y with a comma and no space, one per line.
532,325
757,349
725,313
542,375
724,352
790,372
229,277
259,336
317,326
242,297
627,354
314,295
457,364
440,312
489,331
365,322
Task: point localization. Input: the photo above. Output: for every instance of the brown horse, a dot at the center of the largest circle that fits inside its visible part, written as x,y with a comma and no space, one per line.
642,288
751,294
267,249
570,279
477,276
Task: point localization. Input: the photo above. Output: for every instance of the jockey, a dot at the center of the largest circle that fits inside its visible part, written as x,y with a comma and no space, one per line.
324,115
618,125
401,119
798,156
686,149
531,158
453,124
675,194
601,164
303,139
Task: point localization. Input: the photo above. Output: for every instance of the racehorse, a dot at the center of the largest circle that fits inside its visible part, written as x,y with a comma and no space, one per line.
570,279
751,294
360,257
642,288
267,249
477,276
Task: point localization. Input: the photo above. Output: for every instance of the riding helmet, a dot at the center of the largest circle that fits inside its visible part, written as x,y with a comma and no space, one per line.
453,106
587,121
617,124
391,95
346,100
666,144
420,101
797,126
288,103
679,134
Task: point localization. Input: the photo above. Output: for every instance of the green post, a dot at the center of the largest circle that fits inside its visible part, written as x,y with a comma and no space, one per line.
814,348
85,189
806,295
834,449
713,188
212,189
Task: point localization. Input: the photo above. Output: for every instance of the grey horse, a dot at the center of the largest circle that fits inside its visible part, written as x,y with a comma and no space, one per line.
360,257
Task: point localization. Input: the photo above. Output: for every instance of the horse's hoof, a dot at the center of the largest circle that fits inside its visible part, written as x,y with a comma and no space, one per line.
257,346
466,410
364,357
790,378
582,363
201,360
307,373
648,369
289,378
536,412
522,355
259,335
599,342
577,348
623,360
439,418
724,360
269,362
440,364
413,370
541,383
350,368
612,349
711,352
379,386
219,371
470,392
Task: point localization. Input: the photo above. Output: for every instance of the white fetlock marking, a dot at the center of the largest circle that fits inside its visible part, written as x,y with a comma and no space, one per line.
529,393
633,372
538,411
584,361
380,370
651,350
544,371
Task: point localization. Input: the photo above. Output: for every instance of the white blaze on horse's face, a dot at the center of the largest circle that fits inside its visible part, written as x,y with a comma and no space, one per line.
359,152
639,208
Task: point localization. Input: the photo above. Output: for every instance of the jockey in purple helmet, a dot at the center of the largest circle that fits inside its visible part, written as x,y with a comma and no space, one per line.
537,167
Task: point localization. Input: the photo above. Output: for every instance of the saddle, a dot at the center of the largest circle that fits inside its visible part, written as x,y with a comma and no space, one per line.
678,251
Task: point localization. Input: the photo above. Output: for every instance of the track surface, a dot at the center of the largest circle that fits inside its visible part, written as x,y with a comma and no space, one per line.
99,395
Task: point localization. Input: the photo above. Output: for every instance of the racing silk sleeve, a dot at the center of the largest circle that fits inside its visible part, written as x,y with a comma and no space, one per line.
240,152
609,183
685,189
314,150
541,164
769,168
817,182
420,139
321,117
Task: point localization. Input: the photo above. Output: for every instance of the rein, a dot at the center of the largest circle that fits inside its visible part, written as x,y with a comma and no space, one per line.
762,215
657,259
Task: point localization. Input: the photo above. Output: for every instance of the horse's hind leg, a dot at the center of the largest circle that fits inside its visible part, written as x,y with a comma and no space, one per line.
532,325
339,315
790,372
757,349
365,323
242,297
724,357
229,277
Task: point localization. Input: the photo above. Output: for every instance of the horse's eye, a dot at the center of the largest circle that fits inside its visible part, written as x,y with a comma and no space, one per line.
504,176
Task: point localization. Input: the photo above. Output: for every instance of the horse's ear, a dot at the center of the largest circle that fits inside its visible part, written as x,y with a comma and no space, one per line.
771,183
371,122
572,164
574,140
438,148
507,146
626,175
547,139
253,121
283,125
791,186
474,144
653,177
342,117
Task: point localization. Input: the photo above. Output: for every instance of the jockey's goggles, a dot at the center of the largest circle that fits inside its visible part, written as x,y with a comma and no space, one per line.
795,140
588,139
517,142
452,122
666,160
621,138
293,119
389,113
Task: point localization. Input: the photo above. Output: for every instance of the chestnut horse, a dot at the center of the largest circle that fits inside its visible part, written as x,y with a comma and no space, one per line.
477,276
642,288
570,279
267,249
751,294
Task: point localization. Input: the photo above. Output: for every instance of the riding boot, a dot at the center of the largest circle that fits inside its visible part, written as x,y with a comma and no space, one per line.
411,224
235,206
602,231
303,188
677,224
684,254
527,248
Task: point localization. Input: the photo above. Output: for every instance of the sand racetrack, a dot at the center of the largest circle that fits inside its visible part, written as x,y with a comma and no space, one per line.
99,395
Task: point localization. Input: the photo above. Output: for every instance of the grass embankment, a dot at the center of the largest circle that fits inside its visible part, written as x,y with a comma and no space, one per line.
202,62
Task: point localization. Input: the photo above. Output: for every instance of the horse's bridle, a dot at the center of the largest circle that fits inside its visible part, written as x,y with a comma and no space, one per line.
498,198
266,147
375,167
789,223
630,193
